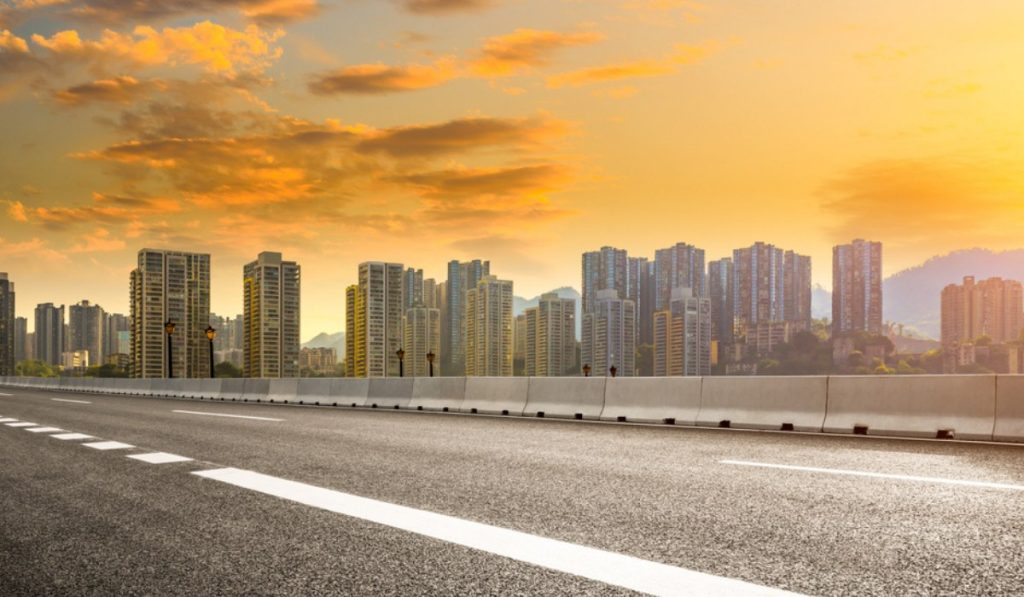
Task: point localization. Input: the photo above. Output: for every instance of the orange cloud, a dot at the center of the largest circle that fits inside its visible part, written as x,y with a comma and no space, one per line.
16,210
216,48
119,90
104,209
523,49
683,54
98,242
120,11
446,7
463,135
368,79
10,42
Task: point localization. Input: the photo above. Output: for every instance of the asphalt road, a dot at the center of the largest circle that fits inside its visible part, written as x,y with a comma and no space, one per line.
854,515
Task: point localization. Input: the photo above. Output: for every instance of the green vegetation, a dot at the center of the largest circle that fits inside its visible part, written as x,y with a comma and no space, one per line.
226,369
36,369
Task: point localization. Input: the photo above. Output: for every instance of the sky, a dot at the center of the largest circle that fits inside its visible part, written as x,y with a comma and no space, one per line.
519,131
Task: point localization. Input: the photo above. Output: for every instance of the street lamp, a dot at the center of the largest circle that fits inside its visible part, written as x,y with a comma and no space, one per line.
210,335
612,370
169,328
586,370
401,362
430,362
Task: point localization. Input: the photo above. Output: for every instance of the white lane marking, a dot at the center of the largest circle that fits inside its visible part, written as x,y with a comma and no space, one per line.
8,420
70,436
195,412
159,458
109,446
596,564
21,424
70,400
44,429
837,471
8,395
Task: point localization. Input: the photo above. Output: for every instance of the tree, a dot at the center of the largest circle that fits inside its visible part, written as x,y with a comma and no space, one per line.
645,359
226,369
35,369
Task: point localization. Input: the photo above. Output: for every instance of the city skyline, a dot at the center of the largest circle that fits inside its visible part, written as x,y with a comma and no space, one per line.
373,130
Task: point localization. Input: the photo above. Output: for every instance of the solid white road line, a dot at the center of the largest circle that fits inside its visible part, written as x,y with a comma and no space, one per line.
21,424
8,420
109,446
44,429
71,436
70,400
837,471
159,458
195,412
596,564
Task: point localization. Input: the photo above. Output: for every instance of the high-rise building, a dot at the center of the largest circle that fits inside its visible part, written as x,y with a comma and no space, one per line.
7,329
170,286
373,320
604,269
271,315
319,361
608,335
857,287
770,285
230,332
22,350
86,330
720,291
412,288
462,277
991,308
682,336
422,337
551,337
681,265
49,332
641,290
489,328
796,288
519,345
114,325
430,294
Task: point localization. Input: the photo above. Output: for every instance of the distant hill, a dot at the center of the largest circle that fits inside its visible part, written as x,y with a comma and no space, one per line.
325,340
821,303
911,297
520,304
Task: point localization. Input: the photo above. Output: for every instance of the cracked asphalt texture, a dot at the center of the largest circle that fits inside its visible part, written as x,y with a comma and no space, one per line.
78,521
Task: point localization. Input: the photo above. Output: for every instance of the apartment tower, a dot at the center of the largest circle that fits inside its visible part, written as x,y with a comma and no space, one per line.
271,317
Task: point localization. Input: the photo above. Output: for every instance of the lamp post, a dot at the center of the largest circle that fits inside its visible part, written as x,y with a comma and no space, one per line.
430,362
210,335
612,370
586,370
169,328
401,362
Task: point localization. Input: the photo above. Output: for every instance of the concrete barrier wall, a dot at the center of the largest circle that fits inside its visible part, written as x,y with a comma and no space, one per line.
1009,425
652,399
209,388
496,395
913,405
565,397
313,390
795,403
438,393
231,387
284,390
255,389
350,392
390,392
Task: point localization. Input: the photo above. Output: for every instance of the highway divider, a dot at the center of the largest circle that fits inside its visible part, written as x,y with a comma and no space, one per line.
970,407
671,400
791,403
942,406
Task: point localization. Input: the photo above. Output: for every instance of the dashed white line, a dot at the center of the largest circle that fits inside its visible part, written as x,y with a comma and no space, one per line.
195,412
72,436
70,400
109,446
44,429
8,420
21,424
837,471
7,395
588,562
159,458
